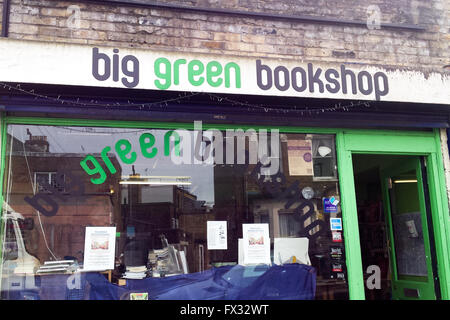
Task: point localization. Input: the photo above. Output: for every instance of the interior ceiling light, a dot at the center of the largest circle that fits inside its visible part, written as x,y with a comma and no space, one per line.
405,181
156,180
155,177
159,183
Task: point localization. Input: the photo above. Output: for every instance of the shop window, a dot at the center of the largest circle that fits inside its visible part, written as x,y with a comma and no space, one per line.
150,204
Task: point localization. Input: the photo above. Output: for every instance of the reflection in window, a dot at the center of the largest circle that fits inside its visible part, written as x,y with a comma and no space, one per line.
159,188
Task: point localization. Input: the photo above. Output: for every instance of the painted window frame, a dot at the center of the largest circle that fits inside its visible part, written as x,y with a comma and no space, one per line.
348,142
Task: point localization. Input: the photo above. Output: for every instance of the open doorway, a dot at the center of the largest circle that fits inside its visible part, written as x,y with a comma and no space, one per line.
393,227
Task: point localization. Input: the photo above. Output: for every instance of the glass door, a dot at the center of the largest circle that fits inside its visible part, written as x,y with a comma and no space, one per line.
409,243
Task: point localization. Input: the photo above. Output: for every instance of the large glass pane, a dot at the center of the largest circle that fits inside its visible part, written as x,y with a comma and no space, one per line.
407,226
188,205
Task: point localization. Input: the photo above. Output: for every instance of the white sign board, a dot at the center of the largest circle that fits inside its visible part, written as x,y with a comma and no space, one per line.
84,65
286,249
99,248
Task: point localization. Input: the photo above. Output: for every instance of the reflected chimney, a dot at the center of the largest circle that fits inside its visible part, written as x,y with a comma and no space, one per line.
36,143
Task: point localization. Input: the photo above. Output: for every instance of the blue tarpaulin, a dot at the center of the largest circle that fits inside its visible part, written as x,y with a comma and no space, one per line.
286,282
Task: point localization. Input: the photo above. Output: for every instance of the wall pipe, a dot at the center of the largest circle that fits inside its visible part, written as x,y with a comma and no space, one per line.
5,18
254,14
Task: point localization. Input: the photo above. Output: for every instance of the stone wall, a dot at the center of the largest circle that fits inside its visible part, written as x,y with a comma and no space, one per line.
181,30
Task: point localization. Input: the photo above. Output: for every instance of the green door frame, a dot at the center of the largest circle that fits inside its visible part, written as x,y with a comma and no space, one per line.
348,142
425,144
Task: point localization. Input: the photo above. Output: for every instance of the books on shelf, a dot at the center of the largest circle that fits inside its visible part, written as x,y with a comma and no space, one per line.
60,266
137,269
50,263
134,275
135,272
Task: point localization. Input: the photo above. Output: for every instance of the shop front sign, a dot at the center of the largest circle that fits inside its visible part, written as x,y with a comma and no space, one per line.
84,65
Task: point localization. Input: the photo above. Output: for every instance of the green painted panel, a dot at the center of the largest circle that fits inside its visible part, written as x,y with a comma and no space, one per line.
350,221
397,143
440,213
159,125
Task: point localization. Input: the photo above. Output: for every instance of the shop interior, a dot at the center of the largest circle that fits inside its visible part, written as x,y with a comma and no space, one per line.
374,227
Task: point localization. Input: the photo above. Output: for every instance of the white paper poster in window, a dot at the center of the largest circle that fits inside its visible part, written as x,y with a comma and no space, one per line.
99,248
217,235
300,157
256,243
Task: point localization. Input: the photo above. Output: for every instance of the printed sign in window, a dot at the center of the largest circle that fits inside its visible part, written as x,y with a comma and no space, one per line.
99,248
335,224
330,205
217,235
256,243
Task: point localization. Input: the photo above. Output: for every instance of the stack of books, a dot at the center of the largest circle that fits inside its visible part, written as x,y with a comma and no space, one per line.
139,272
60,266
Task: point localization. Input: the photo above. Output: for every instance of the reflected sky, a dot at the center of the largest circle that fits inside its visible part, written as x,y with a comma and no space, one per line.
90,140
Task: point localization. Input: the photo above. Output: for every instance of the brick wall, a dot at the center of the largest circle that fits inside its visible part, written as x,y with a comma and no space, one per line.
143,27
